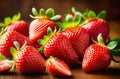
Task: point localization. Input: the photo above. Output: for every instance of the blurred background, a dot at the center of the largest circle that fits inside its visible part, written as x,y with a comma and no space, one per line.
11,7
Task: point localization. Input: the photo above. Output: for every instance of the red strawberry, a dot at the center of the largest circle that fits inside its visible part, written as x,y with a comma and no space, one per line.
7,39
58,45
29,60
96,25
16,25
57,67
79,38
98,56
38,27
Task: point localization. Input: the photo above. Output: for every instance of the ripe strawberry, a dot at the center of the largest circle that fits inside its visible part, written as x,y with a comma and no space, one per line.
97,56
57,67
15,24
79,38
29,60
38,27
7,39
58,45
96,24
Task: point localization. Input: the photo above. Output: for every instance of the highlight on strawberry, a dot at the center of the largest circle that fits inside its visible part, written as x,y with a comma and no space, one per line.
42,20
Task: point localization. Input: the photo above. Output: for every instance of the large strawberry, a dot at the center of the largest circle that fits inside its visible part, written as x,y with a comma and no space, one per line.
7,39
78,36
15,24
57,67
96,24
58,45
43,20
97,56
28,59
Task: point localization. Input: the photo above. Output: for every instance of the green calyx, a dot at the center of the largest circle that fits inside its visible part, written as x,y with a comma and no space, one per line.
8,20
42,13
69,21
90,14
116,50
45,39
113,46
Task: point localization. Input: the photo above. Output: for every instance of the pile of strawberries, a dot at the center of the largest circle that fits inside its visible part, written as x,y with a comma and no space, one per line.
54,43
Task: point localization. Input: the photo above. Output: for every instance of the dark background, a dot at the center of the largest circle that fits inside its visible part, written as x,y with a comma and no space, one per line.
11,7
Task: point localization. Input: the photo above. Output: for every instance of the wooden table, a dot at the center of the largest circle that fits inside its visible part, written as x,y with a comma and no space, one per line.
112,72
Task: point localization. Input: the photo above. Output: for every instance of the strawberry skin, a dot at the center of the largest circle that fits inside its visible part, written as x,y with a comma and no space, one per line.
20,26
29,60
60,46
57,67
79,38
97,26
38,28
7,39
96,57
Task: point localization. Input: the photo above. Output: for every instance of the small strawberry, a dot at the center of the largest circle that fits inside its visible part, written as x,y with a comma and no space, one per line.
7,39
43,20
28,59
15,24
58,45
97,56
96,24
57,67
78,36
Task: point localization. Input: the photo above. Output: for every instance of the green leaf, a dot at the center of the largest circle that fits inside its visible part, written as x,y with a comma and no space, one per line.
2,24
115,52
77,18
50,12
100,39
34,11
112,45
69,18
16,17
13,51
49,31
17,45
42,11
7,20
2,57
91,14
56,17
102,14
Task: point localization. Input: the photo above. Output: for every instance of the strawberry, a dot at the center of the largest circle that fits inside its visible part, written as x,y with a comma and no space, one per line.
38,27
96,24
28,59
15,24
57,67
7,39
58,45
79,38
97,56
